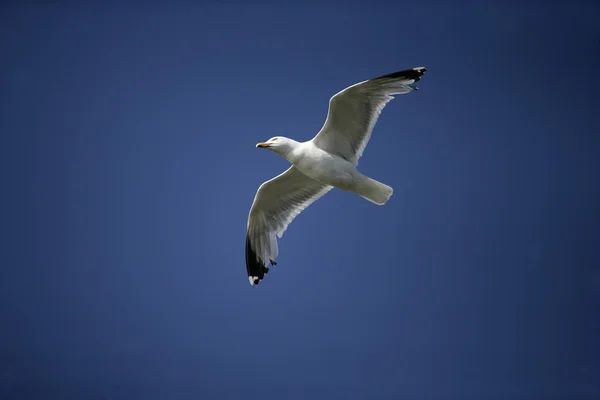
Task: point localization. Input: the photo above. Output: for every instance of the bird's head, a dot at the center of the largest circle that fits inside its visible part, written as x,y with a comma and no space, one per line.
278,144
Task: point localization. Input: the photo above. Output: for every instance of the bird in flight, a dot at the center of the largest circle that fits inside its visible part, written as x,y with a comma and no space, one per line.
326,161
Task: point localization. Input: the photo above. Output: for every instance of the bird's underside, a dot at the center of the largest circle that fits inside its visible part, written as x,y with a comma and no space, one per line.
351,118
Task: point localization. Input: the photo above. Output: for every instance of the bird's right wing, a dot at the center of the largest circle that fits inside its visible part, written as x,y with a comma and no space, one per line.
354,111
277,202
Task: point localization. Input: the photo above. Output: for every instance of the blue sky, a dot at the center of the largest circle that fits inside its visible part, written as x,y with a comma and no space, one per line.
129,166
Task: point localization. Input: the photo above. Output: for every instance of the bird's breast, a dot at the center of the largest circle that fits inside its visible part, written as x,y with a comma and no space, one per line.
327,169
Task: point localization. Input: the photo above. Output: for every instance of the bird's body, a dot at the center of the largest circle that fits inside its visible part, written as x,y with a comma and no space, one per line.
324,167
328,160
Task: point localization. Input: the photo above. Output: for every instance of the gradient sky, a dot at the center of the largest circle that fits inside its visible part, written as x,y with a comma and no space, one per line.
129,166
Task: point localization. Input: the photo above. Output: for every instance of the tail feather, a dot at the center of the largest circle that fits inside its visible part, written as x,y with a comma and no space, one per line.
374,191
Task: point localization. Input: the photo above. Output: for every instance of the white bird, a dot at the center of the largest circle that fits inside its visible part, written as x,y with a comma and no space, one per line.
328,160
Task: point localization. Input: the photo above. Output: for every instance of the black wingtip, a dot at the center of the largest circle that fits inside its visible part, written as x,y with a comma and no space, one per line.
256,268
408,74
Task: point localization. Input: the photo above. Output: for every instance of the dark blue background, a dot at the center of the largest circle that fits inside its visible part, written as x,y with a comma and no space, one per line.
128,169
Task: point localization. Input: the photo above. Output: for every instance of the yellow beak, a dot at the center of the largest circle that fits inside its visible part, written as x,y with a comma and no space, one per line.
259,145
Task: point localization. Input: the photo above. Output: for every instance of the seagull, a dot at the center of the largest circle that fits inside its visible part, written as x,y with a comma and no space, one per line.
327,161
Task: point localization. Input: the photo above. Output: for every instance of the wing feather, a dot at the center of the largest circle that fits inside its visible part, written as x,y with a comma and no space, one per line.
277,202
354,111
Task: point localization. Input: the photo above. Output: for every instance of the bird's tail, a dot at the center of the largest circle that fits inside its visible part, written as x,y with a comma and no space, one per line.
375,192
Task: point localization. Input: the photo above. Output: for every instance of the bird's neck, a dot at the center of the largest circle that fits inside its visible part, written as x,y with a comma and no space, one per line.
291,152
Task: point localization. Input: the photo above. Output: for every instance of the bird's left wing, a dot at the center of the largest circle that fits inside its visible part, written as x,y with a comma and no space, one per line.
354,111
277,202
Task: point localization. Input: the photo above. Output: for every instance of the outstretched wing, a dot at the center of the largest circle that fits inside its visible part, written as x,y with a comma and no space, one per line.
354,111
277,202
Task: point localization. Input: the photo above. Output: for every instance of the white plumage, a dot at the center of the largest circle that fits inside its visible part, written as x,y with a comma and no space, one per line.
328,160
